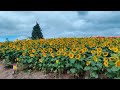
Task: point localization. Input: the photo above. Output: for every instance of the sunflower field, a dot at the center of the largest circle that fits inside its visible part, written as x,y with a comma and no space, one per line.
66,55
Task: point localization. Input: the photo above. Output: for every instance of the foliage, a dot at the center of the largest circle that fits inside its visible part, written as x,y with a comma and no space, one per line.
66,55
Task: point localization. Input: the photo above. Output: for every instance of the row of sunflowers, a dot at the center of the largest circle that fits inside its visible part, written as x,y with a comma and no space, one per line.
66,55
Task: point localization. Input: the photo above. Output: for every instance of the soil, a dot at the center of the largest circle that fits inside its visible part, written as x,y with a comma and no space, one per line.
9,74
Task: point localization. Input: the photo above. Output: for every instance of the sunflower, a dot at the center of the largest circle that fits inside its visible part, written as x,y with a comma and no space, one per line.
18,48
71,55
57,61
39,49
14,46
105,54
44,54
111,47
88,63
74,50
50,50
106,63
45,51
23,48
99,49
93,51
115,49
85,49
81,51
23,53
31,55
52,55
33,51
111,59
95,58
10,45
40,60
77,56
105,59
99,53
17,59
84,56
117,63
60,50
64,53
37,55
58,53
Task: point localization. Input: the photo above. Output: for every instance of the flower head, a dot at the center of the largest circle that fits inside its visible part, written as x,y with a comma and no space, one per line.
117,63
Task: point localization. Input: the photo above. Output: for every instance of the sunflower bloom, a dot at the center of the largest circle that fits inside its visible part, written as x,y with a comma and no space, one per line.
31,55
111,59
50,50
111,47
77,56
71,55
23,53
88,63
95,58
106,63
40,60
52,55
99,49
117,63
115,49
105,59
44,54
58,53
99,54
17,59
74,50
93,51
81,51
105,54
57,61
33,51
64,53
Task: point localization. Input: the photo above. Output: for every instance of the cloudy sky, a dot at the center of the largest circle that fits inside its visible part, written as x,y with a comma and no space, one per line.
19,24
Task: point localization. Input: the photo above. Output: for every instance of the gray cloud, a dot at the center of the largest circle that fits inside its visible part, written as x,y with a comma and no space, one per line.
60,23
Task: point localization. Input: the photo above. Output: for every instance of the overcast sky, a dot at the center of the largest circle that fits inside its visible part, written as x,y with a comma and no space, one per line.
19,24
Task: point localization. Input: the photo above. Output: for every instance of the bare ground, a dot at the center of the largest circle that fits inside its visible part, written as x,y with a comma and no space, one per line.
9,74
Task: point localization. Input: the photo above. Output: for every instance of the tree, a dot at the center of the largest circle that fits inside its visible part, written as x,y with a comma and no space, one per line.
36,33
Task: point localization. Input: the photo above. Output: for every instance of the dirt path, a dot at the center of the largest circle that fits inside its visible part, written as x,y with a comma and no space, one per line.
8,74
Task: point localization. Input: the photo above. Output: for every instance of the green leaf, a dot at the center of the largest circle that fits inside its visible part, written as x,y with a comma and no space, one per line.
111,63
110,75
94,68
78,66
67,65
87,68
73,70
109,70
40,65
99,65
72,60
114,68
117,78
94,74
29,61
93,63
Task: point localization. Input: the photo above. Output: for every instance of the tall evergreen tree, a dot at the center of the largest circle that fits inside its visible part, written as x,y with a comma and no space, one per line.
36,33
